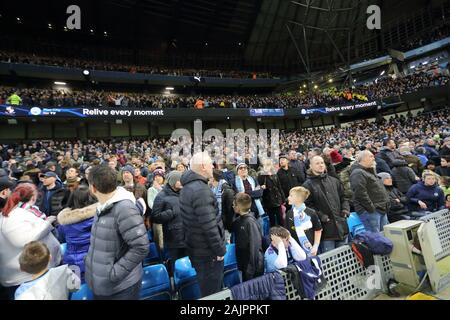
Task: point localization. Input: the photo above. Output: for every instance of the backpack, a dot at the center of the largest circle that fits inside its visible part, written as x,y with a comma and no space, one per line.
363,254
377,243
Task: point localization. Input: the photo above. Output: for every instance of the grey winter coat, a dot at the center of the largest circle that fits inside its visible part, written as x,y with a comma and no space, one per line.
119,244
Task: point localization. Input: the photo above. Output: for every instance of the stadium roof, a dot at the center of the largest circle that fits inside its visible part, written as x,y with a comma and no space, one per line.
300,35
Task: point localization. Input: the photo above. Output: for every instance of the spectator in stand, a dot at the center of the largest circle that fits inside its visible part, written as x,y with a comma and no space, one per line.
75,223
328,200
157,186
302,222
48,283
430,148
249,252
115,272
370,198
297,164
445,150
5,190
421,154
403,176
205,237
398,207
273,195
444,169
426,196
246,183
282,251
14,99
389,153
166,211
224,194
19,227
288,176
53,195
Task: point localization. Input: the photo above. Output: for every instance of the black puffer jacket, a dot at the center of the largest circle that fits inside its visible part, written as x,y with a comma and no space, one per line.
403,176
166,211
328,200
273,195
369,193
205,235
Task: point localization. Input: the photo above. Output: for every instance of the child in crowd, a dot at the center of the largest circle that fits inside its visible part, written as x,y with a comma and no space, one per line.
249,252
47,284
302,222
282,251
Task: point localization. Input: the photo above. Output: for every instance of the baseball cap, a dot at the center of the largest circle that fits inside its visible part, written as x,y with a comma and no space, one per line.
50,174
5,183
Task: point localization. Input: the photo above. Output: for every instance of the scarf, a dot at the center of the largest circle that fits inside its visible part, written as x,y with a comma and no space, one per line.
240,188
302,222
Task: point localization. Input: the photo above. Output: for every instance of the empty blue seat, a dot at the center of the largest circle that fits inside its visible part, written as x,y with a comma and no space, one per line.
185,279
231,274
153,256
63,248
229,260
355,225
155,283
83,294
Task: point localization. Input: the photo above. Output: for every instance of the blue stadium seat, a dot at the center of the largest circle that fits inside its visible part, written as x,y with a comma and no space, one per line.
83,294
150,235
355,225
231,274
63,248
266,225
153,255
155,283
185,279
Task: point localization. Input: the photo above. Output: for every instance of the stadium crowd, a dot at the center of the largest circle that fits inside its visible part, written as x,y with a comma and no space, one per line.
66,62
100,198
436,34
382,88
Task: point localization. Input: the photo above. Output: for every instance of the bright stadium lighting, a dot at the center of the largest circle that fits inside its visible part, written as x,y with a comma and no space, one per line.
382,73
425,62
316,86
412,67
330,80
86,72
170,88
304,86
50,26
60,83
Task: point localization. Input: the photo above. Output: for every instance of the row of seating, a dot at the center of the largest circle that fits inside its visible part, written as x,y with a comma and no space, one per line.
156,283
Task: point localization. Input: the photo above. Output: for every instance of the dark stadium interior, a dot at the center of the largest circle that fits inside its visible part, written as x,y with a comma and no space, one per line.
326,129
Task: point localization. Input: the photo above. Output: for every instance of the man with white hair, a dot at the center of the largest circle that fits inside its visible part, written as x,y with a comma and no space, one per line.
202,222
370,197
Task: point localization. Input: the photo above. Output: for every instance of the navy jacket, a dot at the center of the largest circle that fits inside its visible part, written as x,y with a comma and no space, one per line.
268,287
433,196
166,211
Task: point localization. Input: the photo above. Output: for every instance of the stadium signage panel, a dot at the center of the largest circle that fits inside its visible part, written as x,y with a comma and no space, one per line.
266,112
337,109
